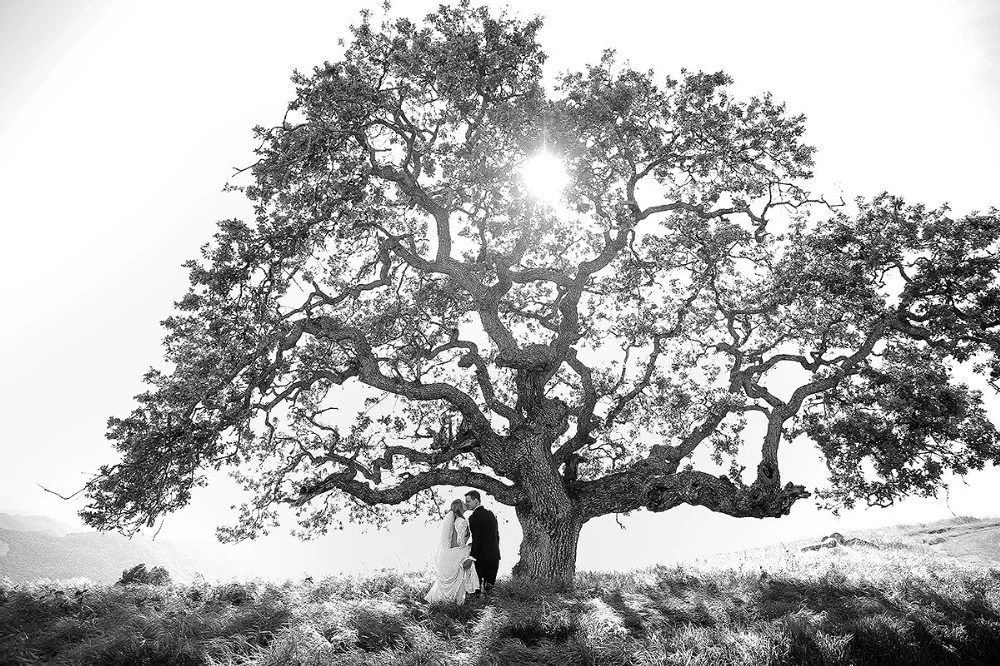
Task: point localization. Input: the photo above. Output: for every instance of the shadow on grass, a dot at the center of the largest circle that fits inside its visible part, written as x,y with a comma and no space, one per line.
914,625
661,616
132,624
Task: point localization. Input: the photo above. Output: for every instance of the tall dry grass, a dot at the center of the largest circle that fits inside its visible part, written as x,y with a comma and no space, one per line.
897,603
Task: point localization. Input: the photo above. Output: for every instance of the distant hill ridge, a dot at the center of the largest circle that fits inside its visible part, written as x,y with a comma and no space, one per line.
23,523
35,547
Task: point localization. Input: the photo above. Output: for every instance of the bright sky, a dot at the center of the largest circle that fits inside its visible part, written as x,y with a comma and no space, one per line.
121,121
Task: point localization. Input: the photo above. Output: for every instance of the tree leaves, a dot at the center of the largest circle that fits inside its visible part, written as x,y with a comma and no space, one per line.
897,428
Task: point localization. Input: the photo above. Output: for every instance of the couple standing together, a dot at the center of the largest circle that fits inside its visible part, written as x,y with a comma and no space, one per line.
462,567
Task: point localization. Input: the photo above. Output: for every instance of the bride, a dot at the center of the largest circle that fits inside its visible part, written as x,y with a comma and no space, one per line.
456,576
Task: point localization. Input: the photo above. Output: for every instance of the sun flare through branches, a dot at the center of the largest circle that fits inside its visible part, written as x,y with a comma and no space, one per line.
545,177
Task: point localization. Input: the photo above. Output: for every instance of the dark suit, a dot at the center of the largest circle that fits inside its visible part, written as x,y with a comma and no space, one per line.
485,545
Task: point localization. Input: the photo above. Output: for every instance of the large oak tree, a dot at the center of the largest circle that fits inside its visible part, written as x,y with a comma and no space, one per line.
686,294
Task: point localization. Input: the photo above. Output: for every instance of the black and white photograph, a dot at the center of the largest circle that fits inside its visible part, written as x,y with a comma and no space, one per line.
477,333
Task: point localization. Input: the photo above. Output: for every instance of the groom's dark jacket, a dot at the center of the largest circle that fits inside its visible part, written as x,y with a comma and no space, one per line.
485,535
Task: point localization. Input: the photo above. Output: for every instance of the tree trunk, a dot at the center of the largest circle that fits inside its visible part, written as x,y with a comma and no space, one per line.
548,547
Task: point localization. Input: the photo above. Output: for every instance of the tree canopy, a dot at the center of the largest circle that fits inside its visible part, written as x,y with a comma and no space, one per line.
568,359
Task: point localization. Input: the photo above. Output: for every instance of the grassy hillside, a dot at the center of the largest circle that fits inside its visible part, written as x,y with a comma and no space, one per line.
900,600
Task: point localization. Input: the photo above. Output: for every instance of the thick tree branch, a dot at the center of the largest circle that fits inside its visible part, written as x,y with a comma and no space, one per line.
647,489
472,357
346,482
369,373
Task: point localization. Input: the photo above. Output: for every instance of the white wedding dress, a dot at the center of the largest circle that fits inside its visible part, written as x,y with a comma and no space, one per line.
453,580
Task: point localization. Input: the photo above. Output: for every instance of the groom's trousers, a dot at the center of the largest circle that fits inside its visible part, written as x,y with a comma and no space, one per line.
486,570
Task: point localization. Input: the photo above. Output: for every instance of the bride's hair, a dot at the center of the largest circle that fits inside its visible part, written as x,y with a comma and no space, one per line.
459,504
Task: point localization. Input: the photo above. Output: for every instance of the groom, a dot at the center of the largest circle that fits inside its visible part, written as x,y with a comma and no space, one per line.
485,540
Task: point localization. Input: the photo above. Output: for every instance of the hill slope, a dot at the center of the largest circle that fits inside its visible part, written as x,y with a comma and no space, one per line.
23,523
891,597
32,555
974,542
